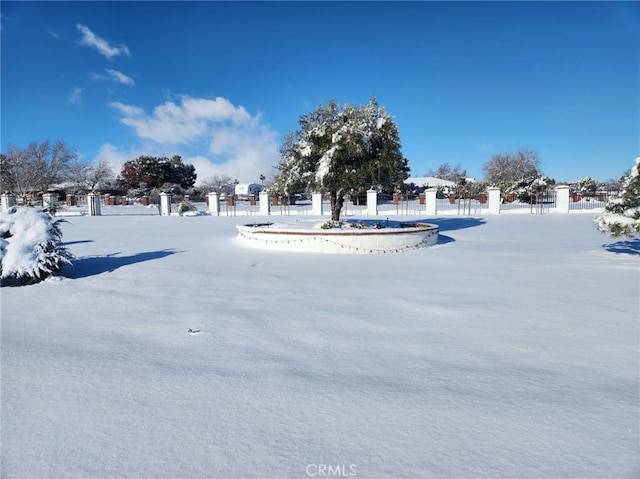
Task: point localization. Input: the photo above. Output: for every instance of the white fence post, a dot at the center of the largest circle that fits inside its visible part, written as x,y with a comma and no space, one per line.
165,204
49,200
316,204
214,203
494,200
372,202
562,199
265,207
93,204
430,201
7,201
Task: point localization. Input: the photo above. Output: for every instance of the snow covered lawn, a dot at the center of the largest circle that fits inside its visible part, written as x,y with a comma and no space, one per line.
509,350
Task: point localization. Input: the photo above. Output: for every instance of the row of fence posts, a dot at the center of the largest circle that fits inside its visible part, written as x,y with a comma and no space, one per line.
428,200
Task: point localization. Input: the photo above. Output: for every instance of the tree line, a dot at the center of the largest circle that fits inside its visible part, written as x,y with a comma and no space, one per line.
40,167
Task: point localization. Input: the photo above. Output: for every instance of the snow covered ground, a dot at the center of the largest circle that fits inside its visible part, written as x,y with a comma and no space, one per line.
509,350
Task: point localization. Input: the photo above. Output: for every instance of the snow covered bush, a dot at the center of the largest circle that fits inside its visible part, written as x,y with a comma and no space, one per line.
186,208
585,185
30,246
526,191
623,212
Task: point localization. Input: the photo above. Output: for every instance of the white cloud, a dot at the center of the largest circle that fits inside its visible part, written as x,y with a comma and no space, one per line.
120,77
75,97
191,119
127,110
90,39
218,136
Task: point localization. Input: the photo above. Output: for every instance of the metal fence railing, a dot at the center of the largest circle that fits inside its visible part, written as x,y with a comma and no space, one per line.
539,203
591,201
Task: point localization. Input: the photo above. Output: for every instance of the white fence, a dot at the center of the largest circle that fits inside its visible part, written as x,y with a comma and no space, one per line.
557,200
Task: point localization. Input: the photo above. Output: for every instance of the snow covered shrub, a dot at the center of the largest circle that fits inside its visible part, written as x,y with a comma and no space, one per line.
527,190
327,225
30,246
585,185
186,208
623,217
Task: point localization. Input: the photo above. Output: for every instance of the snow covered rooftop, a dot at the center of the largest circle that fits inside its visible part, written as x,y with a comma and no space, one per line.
428,181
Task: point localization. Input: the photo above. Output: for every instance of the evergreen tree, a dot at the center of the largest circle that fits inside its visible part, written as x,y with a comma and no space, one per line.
148,172
31,247
623,217
342,150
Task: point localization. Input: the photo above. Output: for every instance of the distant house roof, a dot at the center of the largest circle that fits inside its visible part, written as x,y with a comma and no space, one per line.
428,181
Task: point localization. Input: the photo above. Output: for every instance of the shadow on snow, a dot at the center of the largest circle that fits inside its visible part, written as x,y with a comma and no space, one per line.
444,239
452,224
68,243
93,265
624,247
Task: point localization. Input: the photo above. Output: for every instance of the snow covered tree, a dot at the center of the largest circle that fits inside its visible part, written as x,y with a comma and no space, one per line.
529,190
342,150
446,172
90,177
30,246
623,217
505,170
218,183
36,167
586,185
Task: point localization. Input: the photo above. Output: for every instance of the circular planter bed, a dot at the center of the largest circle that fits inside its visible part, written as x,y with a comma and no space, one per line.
352,236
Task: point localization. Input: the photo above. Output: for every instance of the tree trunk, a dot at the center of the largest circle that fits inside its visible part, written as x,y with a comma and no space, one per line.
337,200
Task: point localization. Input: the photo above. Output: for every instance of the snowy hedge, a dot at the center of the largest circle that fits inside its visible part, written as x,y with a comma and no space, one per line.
30,246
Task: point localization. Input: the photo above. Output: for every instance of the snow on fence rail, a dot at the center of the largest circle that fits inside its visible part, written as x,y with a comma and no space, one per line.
557,200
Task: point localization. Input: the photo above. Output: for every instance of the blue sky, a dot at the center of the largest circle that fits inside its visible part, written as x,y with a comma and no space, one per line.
220,83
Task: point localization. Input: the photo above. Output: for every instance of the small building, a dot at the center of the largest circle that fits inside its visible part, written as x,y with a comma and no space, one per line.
244,190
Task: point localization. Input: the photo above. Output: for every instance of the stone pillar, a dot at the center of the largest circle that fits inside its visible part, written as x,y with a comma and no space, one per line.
49,200
316,204
8,200
430,201
93,204
165,204
265,207
372,202
562,199
214,203
494,200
